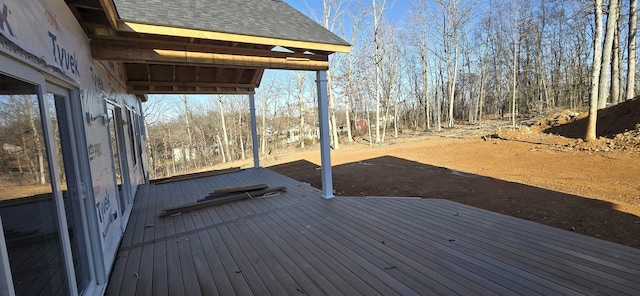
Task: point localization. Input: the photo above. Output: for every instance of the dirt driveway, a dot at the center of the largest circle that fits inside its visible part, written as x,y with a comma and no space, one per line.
593,193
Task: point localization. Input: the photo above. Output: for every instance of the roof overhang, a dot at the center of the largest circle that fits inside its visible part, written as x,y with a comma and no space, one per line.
170,60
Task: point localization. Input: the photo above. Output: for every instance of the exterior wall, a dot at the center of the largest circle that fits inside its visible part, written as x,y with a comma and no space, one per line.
46,36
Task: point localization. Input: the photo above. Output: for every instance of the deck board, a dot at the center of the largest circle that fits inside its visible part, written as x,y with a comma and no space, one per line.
479,251
144,284
407,239
159,269
441,273
175,281
320,261
203,272
298,243
226,271
541,255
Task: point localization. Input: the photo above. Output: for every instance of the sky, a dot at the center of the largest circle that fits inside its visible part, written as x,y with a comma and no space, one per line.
396,10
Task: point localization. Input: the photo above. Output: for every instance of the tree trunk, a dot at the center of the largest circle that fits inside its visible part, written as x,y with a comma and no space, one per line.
631,72
615,61
36,139
369,124
384,126
301,107
452,82
221,148
224,130
395,118
347,96
424,62
481,94
378,60
151,152
514,85
439,88
605,73
189,160
241,136
264,125
597,53
332,111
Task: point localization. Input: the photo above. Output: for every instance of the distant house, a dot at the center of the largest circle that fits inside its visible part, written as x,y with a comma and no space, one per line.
10,148
73,78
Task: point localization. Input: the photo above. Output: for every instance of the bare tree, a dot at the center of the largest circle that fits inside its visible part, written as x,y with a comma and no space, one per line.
605,73
154,111
615,60
455,16
224,130
631,68
378,10
597,53
356,20
301,87
515,27
421,30
332,11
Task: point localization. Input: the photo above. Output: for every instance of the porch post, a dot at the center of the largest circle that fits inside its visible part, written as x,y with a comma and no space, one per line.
325,148
254,131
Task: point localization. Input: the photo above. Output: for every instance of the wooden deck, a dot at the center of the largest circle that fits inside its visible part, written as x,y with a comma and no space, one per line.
300,244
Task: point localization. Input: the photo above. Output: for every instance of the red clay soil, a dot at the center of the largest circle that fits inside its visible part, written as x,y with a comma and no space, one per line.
525,173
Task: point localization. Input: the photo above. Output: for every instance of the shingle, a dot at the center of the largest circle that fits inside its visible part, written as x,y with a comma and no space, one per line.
263,18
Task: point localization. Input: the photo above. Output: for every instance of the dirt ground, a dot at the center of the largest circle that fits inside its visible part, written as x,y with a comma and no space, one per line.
589,188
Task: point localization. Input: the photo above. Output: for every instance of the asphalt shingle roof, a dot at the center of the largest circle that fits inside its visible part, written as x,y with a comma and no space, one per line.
263,18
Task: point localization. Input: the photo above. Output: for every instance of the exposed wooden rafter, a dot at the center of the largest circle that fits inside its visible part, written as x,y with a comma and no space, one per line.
146,78
151,51
170,60
200,34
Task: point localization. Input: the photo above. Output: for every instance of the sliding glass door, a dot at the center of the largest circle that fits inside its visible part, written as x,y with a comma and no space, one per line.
44,201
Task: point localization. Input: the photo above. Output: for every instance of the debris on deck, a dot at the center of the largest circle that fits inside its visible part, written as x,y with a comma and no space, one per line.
195,175
230,197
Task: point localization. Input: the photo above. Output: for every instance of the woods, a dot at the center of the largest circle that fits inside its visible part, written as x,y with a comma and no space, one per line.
420,66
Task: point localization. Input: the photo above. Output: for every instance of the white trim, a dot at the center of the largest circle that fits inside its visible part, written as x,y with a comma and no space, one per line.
84,174
123,164
14,68
77,188
325,148
6,280
54,175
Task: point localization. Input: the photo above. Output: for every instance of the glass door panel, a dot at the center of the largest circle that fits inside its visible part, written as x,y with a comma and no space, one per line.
70,184
27,204
119,163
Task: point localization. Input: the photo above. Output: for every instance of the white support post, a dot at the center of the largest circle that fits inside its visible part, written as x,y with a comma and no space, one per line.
325,148
254,131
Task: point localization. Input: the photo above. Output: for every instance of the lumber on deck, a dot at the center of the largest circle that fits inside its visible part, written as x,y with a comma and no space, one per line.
194,175
220,200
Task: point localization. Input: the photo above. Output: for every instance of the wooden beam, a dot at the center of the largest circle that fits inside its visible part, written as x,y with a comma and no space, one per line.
189,84
184,32
110,12
94,25
239,72
209,59
84,4
118,42
207,91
